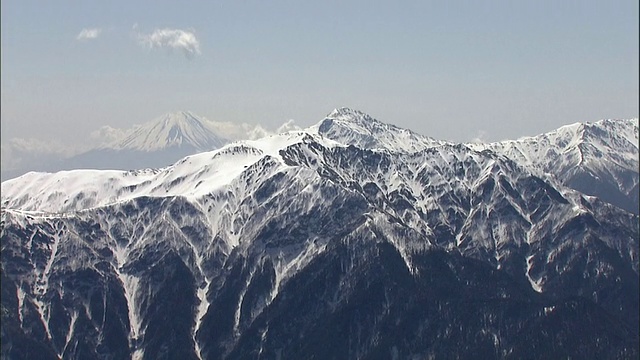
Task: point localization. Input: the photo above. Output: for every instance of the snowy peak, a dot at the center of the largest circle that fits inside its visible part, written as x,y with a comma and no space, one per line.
353,127
608,134
591,145
352,115
619,136
179,129
192,177
599,158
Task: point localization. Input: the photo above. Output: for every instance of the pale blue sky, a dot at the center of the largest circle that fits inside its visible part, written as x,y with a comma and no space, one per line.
448,70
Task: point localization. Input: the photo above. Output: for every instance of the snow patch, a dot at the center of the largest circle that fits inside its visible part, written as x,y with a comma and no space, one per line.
131,284
72,325
20,294
286,266
535,284
203,306
43,310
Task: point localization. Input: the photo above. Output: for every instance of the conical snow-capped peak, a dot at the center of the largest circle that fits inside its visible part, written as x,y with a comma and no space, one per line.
352,127
178,129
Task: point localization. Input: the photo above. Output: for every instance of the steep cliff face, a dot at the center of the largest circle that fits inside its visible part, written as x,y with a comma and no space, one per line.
314,244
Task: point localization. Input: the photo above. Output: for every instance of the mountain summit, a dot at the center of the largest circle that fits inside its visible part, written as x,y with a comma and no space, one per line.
353,127
178,129
157,143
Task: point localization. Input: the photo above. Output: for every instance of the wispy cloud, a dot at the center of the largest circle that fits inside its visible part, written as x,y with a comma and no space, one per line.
288,126
480,137
236,131
28,152
88,34
184,40
243,131
107,135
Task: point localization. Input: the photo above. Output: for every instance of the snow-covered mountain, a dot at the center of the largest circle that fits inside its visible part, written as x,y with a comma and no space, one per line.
599,159
179,129
333,242
353,127
157,143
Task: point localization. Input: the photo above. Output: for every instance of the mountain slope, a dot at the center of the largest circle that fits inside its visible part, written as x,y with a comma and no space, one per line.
599,159
301,246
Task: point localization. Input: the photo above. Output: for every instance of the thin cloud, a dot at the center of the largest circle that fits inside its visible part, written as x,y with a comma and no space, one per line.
235,131
25,152
107,135
184,40
88,34
288,126
480,137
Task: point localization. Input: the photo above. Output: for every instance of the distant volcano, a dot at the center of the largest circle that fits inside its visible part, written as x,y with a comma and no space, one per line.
155,144
181,129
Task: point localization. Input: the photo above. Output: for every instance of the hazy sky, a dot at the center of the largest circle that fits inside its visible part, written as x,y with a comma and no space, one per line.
450,70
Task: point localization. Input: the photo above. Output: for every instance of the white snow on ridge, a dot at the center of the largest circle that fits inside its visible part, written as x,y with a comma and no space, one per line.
193,176
600,143
352,127
197,175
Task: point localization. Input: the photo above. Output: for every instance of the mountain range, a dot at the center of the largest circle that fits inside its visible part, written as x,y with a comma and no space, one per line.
350,239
